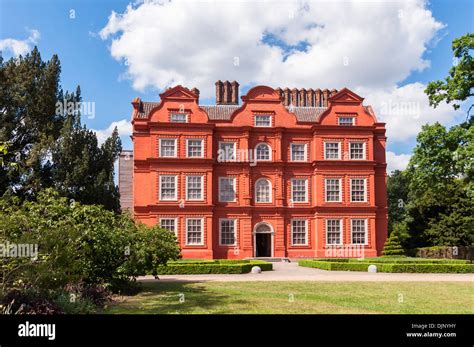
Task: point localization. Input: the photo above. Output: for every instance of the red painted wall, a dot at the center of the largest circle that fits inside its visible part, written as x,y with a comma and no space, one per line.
148,166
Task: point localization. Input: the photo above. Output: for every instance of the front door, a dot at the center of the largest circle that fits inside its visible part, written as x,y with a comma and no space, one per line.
263,245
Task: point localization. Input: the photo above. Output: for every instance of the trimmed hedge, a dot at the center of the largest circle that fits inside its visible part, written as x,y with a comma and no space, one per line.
223,266
396,267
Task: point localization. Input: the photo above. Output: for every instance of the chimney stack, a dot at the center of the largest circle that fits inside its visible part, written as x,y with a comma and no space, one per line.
235,92
287,97
227,93
310,97
219,92
325,97
305,97
196,91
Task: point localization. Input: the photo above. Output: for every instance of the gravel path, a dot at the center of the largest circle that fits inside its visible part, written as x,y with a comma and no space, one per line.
293,272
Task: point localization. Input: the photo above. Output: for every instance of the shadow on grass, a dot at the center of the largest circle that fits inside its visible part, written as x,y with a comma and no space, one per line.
184,297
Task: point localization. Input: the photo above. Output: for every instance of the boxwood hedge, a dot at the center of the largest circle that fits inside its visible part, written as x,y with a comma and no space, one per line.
223,266
397,266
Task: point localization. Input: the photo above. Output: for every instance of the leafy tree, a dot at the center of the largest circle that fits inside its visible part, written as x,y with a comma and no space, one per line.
458,86
440,209
397,191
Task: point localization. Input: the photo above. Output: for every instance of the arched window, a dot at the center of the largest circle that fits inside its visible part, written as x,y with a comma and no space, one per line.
263,151
263,190
263,228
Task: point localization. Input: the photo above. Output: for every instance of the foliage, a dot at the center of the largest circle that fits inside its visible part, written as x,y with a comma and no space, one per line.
397,196
214,267
77,244
393,247
458,86
394,267
47,146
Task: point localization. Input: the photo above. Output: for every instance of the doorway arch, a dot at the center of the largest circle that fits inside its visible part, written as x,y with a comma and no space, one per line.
263,239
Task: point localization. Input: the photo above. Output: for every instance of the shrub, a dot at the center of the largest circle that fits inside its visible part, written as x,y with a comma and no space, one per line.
212,267
77,243
393,247
385,266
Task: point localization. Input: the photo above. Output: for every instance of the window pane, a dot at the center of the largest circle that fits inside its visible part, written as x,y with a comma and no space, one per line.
298,152
299,232
195,148
357,150
346,120
194,187
168,224
333,231
263,152
194,231
298,190
263,121
332,190
332,150
358,190
178,117
263,191
168,187
227,229
358,231
227,189
227,151
168,147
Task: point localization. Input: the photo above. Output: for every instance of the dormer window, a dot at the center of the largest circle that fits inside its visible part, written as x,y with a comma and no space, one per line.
179,118
347,121
263,120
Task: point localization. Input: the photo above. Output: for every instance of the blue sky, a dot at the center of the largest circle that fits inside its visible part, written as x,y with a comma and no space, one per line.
71,30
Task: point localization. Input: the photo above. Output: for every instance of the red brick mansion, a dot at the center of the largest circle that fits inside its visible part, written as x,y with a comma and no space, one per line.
283,173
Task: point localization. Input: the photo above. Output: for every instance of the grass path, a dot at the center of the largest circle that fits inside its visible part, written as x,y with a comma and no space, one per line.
299,297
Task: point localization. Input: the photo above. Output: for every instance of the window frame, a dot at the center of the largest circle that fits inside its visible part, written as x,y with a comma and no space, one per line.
365,189
180,114
326,190
234,180
346,117
234,145
338,150
175,219
364,145
269,116
270,193
160,179
175,147
306,185
187,188
341,231
269,151
187,231
234,220
305,146
366,232
306,236
202,148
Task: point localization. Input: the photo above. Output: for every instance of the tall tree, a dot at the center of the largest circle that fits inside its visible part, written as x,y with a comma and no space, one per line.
41,127
397,193
459,85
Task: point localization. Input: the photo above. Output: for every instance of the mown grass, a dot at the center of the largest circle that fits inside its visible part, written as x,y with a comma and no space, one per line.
299,297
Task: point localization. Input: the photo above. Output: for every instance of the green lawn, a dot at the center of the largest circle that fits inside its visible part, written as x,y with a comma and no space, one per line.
299,297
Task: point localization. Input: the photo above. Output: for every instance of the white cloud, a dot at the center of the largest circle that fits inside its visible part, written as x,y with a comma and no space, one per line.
20,47
406,109
368,46
397,161
124,128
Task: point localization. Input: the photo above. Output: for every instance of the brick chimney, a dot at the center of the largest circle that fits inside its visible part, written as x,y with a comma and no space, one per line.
317,98
287,97
302,101
227,93
310,97
196,91
295,97
235,92
219,92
